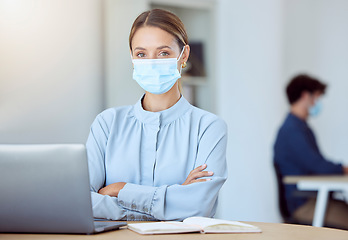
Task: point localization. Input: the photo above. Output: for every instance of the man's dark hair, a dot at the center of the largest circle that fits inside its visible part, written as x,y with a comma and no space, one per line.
303,83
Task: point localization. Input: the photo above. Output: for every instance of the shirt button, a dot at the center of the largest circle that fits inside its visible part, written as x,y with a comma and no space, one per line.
131,217
121,202
145,209
134,206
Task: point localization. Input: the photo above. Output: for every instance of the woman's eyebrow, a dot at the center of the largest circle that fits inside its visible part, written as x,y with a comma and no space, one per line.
164,46
139,48
143,49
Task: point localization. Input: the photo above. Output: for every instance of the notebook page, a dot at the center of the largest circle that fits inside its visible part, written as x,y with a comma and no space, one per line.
162,227
209,222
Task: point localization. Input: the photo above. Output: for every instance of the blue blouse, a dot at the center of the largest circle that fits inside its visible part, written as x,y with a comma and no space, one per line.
154,152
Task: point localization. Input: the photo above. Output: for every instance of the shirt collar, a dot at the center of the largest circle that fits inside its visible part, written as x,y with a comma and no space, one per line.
163,117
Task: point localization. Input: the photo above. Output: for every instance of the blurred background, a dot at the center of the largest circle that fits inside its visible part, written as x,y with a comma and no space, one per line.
64,61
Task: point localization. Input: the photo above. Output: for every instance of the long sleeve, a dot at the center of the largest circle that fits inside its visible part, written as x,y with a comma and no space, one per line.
104,206
177,202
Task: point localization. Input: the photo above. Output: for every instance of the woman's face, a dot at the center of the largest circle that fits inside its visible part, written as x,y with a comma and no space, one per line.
153,42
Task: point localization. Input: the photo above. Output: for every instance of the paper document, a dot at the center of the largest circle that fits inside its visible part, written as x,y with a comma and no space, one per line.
194,224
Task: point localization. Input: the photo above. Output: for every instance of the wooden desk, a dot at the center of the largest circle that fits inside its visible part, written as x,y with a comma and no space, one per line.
271,231
322,184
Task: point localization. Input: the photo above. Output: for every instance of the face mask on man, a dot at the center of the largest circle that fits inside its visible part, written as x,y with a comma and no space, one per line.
316,108
157,76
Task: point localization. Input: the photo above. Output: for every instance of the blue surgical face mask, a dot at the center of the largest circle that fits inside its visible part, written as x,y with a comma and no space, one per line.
156,76
316,108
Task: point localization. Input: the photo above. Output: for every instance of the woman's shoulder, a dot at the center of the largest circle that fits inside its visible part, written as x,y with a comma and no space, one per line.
208,119
111,114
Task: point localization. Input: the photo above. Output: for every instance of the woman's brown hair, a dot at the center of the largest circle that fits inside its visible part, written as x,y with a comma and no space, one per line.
164,20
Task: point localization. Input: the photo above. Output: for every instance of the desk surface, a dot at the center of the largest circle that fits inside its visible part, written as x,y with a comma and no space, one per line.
271,231
321,178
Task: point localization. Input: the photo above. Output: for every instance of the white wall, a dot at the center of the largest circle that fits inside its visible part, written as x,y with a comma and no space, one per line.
50,69
249,100
316,40
119,16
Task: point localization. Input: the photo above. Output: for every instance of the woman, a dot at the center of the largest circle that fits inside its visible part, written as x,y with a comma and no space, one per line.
161,159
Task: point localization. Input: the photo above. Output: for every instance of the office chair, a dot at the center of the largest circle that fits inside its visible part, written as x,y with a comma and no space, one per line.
283,208
284,211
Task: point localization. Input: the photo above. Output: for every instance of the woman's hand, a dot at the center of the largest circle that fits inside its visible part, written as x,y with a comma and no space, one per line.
197,173
112,190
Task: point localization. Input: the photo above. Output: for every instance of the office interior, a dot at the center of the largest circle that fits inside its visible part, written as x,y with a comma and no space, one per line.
64,61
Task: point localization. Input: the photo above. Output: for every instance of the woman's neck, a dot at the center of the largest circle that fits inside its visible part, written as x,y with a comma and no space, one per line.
160,102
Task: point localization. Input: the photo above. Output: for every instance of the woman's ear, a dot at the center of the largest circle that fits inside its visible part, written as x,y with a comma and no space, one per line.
186,53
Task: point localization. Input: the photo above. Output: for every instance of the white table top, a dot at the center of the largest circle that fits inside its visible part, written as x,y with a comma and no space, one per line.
317,178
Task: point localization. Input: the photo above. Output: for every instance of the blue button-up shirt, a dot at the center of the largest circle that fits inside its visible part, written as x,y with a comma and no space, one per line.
297,153
154,152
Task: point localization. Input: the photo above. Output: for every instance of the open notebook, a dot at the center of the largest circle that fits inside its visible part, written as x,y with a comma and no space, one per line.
194,224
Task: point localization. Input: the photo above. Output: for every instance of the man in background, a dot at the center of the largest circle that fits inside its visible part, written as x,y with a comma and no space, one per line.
296,152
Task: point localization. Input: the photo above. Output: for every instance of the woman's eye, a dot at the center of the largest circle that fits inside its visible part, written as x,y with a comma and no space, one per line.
140,55
163,54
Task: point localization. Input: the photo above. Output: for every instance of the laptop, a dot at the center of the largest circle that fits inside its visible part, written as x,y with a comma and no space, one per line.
45,189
